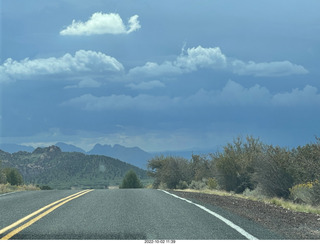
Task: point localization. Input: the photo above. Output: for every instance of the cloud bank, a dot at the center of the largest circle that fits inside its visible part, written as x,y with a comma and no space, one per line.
90,102
192,60
231,95
83,62
212,58
146,85
100,23
282,68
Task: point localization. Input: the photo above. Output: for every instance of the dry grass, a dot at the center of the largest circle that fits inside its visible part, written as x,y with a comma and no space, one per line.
6,188
305,208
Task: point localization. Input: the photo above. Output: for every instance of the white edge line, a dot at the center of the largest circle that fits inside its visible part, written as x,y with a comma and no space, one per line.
223,219
3,194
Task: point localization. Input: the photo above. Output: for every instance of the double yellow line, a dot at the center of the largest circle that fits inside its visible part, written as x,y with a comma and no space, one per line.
53,206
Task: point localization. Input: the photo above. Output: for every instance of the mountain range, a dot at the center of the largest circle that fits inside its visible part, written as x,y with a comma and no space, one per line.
64,170
132,155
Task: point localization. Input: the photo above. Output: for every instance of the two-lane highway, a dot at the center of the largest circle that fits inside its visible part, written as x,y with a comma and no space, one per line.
118,214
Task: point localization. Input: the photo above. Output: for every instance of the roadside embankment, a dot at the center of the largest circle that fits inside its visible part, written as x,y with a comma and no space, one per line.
6,188
288,223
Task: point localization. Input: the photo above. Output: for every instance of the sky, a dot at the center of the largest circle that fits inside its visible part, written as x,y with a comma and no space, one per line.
161,75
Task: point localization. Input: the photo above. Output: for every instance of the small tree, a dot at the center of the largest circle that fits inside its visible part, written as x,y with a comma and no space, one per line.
169,171
13,176
272,172
236,164
3,178
131,180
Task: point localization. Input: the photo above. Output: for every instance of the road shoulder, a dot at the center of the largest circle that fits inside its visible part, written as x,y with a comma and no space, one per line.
286,223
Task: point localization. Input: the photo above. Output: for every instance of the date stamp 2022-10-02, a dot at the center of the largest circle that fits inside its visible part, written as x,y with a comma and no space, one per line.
160,241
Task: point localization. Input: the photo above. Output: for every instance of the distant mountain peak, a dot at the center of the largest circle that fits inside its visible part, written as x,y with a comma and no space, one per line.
69,147
132,155
51,149
12,148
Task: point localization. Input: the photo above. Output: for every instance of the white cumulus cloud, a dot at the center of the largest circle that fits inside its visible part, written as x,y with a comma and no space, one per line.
192,60
279,68
212,58
82,61
199,57
100,23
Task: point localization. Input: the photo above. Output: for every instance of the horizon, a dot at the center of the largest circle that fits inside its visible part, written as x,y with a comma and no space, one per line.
41,145
153,76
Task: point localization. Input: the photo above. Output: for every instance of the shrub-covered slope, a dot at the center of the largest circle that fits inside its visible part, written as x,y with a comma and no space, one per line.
50,166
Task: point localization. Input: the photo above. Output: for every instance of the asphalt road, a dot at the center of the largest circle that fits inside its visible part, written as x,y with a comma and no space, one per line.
143,214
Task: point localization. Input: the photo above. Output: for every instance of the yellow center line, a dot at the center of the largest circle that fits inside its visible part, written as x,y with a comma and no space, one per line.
35,213
61,202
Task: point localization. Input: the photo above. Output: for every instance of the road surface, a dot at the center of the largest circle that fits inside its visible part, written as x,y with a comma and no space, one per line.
143,214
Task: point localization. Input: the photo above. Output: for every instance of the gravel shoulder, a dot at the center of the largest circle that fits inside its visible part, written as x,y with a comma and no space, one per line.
289,224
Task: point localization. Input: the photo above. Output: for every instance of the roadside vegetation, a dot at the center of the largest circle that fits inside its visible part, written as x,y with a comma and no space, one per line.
6,188
131,180
11,180
248,168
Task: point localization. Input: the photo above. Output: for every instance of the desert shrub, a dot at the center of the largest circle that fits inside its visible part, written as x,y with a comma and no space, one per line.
45,187
169,171
272,172
255,193
163,186
301,193
198,185
212,183
3,178
306,166
182,185
236,164
316,193
307,193
201,167
244,165
4,188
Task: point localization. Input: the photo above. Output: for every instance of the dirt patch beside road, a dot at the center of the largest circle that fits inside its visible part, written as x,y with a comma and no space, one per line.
291,225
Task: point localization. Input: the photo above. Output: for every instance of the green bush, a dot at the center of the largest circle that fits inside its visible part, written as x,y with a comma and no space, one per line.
245,165
3,178
182,185
169,171
301,193
272,172
212,183
45,187
201,167
306,166
316,193
198,185
130,180
307,193
236,164
13,176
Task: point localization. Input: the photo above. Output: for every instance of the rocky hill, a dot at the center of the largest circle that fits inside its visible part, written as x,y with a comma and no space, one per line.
50,166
